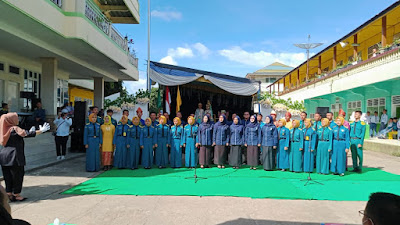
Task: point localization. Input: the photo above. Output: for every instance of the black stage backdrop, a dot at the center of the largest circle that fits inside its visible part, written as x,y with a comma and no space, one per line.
195,92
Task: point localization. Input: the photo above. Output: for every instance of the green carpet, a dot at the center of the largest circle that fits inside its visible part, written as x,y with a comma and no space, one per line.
240,183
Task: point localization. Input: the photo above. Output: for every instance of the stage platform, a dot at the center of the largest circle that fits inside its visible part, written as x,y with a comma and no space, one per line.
240,183
387,146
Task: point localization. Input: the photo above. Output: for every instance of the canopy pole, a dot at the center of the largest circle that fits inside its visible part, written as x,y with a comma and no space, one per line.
148,46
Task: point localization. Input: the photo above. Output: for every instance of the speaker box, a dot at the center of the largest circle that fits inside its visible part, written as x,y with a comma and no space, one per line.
323,111
78,124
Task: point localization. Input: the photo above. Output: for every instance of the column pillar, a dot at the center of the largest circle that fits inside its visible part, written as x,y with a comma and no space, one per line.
49,86
383,41
99,92
355,53
319,65
334,58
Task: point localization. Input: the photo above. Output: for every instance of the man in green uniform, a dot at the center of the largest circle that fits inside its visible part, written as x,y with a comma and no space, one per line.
357,133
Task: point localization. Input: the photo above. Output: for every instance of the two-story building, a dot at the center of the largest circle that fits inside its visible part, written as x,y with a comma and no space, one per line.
45,43
269,74
360,71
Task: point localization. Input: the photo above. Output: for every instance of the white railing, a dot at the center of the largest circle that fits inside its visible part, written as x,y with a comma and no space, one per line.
133,60
117,38
57,2
97,17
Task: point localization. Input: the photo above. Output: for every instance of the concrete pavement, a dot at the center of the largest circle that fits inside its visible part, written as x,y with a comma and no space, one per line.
43,188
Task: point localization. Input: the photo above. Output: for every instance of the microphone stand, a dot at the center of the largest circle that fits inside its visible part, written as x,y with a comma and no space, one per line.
309,180
195,177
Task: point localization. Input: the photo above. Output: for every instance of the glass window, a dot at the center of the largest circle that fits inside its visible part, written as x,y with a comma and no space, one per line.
272,79
14,69
376,104
1,66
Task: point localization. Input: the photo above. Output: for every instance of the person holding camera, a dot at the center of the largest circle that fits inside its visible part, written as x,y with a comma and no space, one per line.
63,124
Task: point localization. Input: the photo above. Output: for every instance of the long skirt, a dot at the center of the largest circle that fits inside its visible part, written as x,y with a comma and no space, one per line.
205,155
338,164
268,157
161,152
252,155
323,157
147,153
308,165
176,153
107,158
283,156
219,155
121,152
133,153
295,157
235,156
93,155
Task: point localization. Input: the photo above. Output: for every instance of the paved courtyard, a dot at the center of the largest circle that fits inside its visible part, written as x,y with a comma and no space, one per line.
43,188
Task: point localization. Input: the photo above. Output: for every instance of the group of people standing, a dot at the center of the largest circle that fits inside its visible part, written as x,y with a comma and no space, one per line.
285,144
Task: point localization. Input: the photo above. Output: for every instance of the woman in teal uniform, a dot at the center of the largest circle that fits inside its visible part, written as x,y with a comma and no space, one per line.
282,157
121,143
134,143
92,140
162,130
189,142
176,143
296,147
148,141
309,146
325,141
341,145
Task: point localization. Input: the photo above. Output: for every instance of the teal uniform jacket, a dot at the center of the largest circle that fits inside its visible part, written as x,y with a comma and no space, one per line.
341,142
282,156
175,140
120,140
134,146
163,137
324,147
357,133
296,155
92,136
148,138
310,138
114,122
316,125
189,138
302,126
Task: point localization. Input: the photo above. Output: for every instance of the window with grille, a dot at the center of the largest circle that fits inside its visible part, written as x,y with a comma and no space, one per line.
376,104
352,107
396,99
31,84
62,92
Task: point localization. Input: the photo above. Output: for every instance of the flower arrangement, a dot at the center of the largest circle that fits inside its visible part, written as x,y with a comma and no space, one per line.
295,112
128,106
279,107
115,109
266,102
143,100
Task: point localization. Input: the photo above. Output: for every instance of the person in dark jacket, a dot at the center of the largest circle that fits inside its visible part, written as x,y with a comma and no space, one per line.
12,156
269,143
252,140
236,138
204,140
220,141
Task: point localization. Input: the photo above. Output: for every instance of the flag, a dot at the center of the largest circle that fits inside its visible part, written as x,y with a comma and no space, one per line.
167,101
178,101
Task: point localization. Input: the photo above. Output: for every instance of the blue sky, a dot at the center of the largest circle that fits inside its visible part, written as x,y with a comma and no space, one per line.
237,37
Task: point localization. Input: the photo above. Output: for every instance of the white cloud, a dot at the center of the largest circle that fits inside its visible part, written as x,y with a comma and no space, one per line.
261,58
201,49
168,60
166,15
133,86
180,52
188,51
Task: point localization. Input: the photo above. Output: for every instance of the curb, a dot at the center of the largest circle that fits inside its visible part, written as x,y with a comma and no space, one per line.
51,164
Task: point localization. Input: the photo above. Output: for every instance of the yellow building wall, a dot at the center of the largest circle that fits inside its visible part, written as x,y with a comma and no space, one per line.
80,93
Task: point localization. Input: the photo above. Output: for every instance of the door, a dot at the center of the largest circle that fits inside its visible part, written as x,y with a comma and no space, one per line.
13,96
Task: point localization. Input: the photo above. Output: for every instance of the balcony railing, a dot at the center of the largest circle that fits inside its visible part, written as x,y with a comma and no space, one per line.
97,17
133,60
94,14
57,2
115,36
389,55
